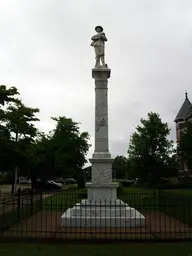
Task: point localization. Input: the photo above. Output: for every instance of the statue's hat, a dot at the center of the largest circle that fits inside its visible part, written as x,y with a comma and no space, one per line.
98,27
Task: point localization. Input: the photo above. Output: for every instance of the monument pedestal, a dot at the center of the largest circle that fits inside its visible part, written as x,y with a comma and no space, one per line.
113,213
102,208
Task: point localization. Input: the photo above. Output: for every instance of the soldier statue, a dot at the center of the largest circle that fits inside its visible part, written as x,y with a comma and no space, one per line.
98,42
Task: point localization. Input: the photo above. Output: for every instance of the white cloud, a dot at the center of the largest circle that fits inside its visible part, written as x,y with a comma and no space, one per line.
45,52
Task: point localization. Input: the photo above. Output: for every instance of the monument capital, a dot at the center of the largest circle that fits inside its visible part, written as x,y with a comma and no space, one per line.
101,73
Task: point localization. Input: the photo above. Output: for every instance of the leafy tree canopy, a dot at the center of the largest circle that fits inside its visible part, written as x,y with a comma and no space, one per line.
63,151
121,167
150,149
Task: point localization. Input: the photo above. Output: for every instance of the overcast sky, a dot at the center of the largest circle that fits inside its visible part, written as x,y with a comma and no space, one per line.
45,52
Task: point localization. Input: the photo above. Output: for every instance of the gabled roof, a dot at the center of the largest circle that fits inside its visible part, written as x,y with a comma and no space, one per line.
184,110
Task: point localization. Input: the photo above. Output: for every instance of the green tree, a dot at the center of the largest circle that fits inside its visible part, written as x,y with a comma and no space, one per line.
62,152
20,121
120,167
150,150
185,145
7,97
17,131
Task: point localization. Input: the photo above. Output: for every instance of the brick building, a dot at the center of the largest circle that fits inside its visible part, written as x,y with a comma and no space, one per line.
184,114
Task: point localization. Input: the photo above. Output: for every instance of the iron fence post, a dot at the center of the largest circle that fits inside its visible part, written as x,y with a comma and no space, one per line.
19,205
159,198
41,200
31,203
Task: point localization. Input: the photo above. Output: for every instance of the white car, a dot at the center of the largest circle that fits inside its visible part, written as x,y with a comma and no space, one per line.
23,180
55,183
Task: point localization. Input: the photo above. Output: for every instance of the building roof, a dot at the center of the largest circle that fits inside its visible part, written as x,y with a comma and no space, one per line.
189,114
184,110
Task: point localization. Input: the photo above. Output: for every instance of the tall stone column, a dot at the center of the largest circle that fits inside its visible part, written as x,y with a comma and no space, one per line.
101,187
101,112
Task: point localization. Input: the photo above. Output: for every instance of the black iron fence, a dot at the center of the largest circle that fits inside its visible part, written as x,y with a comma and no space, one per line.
37,216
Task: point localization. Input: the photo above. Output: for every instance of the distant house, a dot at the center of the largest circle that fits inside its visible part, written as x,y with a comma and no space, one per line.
184,114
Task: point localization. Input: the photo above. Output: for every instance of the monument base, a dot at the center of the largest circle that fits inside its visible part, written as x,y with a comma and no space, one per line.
102,192
114,213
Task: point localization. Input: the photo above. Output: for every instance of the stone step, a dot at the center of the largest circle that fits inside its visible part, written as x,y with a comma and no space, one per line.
103,203
106,219
119,211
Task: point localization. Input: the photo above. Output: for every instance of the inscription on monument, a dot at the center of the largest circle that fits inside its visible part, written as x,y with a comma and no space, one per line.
100,124
101,107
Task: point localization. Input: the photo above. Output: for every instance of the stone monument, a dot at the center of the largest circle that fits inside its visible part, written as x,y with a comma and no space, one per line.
102,208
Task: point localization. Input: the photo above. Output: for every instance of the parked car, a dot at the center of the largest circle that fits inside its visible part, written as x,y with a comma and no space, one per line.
70,181
49,185
59,180
24,180
55,183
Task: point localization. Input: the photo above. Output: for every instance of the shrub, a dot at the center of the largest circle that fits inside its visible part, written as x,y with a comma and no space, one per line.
82,193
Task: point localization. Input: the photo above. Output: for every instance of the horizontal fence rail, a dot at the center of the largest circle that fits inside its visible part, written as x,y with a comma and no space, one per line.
37,215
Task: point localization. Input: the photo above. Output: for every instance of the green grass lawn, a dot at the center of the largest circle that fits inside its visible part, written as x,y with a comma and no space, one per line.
137,190
68,198
71,197
129,249
140,198
61,200
180,192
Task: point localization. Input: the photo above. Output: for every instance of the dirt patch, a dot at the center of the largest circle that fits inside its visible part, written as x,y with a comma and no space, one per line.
12,204
46,224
